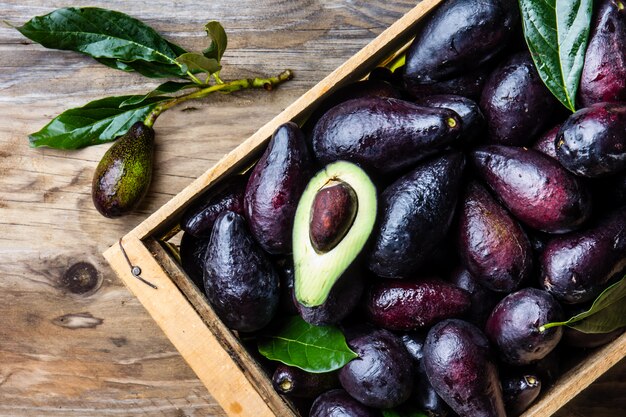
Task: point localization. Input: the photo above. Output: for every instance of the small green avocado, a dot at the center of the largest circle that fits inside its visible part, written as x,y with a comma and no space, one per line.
341,199
123,175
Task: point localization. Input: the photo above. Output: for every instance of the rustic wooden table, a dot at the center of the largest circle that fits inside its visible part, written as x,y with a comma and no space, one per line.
80,344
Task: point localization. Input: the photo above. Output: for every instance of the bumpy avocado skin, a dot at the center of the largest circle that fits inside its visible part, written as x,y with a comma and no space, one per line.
591,143
593,256
415,214
383,135
516,103
534,187
459,365
192,250
239,278
604,73
338,403
493,246
459,36
123,176
275,187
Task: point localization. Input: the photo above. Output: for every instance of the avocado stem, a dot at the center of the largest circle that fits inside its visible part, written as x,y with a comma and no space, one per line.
226,87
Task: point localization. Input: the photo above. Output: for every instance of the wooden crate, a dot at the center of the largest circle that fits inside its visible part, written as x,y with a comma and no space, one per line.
229,372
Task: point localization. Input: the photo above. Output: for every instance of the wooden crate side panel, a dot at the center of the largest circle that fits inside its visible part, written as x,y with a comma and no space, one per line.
249,366
358,65
578,378
189,333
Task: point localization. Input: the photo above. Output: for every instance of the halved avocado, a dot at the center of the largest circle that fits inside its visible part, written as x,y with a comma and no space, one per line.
317,271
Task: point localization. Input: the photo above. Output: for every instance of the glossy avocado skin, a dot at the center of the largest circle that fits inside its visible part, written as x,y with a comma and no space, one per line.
468,85
192,250
383,135
459,365
295,382
382,376
546,144
472,117
415,214
275,187
459,36
591,143
408,305
482,299
198,218
534,187
594,256
124,173
604,73
338,403
519,392
513,326
493,246
239,279
516,103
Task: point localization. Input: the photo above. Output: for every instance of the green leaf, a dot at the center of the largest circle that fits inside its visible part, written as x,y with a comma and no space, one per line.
219,41
168,87
97,122
607,313
556,32
108,36
193,61
315,349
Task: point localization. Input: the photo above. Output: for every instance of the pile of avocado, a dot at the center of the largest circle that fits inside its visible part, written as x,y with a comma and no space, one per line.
439,215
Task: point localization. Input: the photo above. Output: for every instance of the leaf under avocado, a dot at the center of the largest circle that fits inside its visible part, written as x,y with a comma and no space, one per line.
219,41
607,313
557,32
315,349
96,122
107,35
168,87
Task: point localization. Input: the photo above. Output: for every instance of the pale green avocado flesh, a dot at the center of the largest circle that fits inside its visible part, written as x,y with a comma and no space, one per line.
316,273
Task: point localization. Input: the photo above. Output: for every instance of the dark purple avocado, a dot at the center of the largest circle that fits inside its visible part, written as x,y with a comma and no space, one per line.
275,187
239,278
415,215
338,403
459,365
383,135
296,383
534,187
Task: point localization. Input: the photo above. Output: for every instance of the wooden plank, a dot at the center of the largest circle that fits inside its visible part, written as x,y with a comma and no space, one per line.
354,68
182,325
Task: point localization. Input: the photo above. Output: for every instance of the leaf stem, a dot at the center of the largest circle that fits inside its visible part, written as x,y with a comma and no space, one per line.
194,78
227,87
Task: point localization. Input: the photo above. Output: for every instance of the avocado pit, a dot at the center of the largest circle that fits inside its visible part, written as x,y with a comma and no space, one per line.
332,215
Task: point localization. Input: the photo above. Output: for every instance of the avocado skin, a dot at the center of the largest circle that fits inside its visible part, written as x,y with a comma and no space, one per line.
275,187
198,218
459,365
546,144
594,256
303,384
382,376
493,246
383,135
482,299
240,281
519,392
604,72
513,326
534,187
459,36
408,305
192,251
472,117
468,85
343,298
415,214
516,103
338,403
123,176
591,143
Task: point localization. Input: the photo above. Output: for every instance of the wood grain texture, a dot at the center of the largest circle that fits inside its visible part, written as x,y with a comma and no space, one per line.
83,346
